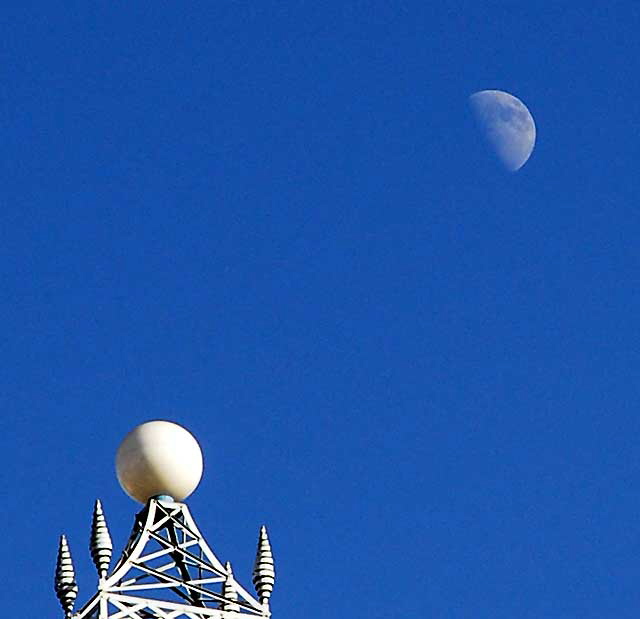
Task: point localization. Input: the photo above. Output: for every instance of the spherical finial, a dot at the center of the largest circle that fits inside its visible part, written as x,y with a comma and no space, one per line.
159,458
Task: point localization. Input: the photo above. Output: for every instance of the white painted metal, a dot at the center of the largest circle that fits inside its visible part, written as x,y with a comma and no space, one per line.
264,573
65,581
167,571
100,544
229,591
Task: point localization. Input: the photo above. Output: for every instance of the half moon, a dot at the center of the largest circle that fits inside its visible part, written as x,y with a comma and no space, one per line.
507,126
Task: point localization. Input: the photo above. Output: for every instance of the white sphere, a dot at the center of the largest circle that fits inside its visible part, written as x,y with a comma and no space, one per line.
159,458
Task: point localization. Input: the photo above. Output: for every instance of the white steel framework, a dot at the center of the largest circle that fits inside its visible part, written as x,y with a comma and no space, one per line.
166,571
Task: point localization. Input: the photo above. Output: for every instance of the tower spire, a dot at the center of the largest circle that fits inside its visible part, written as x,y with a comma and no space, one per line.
264,573
166,570
100,544
65,581
229,591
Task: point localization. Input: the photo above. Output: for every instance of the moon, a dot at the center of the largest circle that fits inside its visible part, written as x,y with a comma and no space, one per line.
507,126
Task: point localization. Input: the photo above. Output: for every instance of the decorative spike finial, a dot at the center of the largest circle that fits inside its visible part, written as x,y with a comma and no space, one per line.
100,544
229,592
264,573
65,582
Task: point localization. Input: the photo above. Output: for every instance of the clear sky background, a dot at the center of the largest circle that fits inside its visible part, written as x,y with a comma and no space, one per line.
276,224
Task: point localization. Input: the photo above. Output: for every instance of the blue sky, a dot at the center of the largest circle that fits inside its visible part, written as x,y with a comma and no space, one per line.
277,225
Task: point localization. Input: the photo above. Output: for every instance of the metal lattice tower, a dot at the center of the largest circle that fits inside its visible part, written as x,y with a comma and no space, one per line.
166,571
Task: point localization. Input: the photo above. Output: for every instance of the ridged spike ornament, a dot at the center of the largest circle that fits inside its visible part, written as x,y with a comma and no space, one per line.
264,573
100,544
65,582
229,591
